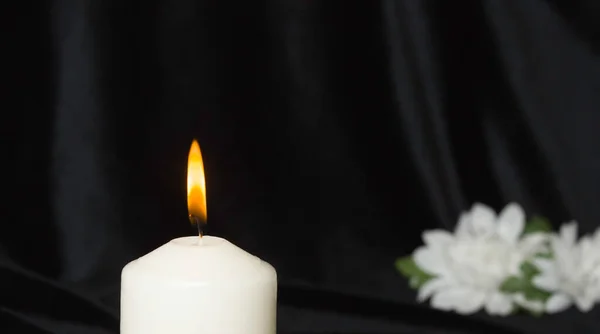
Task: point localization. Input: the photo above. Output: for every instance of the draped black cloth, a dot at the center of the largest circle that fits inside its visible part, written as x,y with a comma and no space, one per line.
333,134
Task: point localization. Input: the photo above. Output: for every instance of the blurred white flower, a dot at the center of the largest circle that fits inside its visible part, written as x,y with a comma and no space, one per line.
573,274
470,265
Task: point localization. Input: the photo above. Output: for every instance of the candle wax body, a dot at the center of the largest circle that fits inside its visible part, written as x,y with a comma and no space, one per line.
184,287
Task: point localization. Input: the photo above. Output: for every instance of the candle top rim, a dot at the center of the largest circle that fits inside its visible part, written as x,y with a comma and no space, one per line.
207,241
216,261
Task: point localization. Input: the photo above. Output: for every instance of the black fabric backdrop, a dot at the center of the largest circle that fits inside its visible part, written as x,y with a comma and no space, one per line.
333,134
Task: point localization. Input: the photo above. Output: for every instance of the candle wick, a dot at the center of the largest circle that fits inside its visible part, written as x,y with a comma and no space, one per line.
199,223
199,228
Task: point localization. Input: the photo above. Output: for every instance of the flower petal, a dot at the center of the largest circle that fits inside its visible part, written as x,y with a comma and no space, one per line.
462,300
596,237
565,255
568,233
546,266
534,243
499,304
558,302
462,227
584,302
588,255
431,287
483,220
430,260
472,301
437,238
511,222
547,281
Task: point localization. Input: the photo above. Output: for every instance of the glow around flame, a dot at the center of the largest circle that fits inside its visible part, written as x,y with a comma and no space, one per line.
196,184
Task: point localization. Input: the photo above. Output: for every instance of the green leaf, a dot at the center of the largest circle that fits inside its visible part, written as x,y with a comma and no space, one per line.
513,284
529,270
418,281
537,224
407,266
533,293
524,284
416,276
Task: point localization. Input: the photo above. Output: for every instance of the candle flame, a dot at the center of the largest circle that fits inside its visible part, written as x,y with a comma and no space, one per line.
196,186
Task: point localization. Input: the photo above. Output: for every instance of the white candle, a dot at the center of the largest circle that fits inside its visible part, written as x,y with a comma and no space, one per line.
198,285
185,287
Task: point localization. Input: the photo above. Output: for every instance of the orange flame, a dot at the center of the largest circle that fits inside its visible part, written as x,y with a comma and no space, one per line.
196,185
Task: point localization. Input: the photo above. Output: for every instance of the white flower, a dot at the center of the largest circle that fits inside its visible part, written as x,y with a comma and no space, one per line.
470,265
573,274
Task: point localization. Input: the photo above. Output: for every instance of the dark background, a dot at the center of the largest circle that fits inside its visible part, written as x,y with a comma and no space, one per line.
333,134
